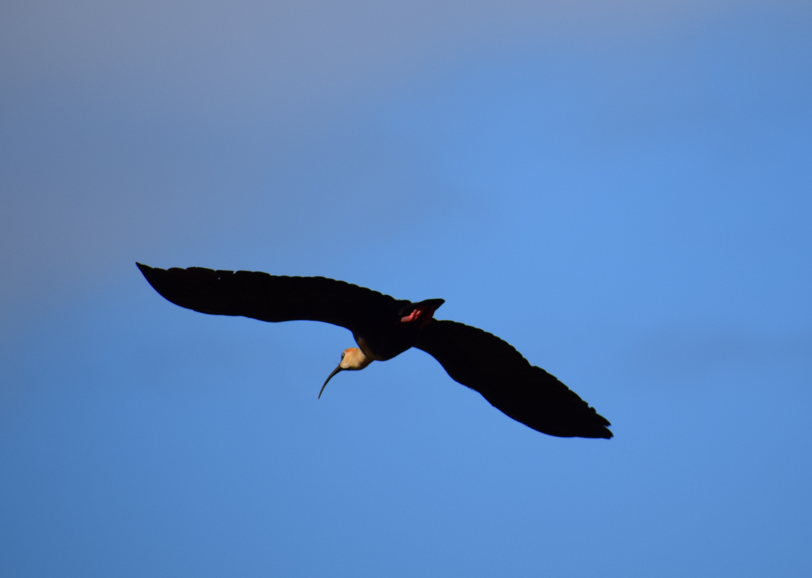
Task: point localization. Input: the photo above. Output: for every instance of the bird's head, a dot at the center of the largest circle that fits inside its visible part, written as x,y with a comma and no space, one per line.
352,359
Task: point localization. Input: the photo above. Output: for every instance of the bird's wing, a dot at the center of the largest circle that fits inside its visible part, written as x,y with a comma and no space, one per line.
270,297
495,369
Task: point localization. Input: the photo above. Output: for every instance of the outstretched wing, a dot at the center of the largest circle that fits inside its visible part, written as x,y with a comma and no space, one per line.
495,369
270,297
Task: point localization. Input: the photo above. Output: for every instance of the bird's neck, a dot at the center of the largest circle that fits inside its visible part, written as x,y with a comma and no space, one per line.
366,351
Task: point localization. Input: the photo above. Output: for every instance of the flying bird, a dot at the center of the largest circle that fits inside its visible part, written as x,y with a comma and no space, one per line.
385,327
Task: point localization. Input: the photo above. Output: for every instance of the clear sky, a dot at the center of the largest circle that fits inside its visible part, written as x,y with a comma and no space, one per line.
622,190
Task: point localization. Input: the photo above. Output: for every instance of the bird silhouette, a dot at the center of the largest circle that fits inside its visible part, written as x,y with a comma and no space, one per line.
384,327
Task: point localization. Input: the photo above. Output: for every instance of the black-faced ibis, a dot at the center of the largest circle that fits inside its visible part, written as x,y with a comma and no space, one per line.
384,327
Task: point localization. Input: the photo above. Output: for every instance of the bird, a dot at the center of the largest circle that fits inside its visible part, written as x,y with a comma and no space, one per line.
384,327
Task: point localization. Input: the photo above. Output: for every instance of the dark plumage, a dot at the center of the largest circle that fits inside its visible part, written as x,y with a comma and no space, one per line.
385,327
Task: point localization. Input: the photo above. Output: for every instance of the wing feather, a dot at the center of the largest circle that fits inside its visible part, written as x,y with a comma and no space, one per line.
524,392
270,297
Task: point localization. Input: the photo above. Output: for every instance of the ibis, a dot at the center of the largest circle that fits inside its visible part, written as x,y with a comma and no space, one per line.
385,327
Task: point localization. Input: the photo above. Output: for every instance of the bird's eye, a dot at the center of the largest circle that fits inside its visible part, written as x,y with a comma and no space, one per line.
342,355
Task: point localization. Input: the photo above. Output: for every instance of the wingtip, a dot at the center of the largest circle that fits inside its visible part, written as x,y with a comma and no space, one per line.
603,434
152,275
595,433
600,430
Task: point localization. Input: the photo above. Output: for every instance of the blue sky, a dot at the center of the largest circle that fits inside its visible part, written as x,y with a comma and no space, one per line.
620,190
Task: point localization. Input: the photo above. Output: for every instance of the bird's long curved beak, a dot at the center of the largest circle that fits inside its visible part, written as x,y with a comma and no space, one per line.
336,370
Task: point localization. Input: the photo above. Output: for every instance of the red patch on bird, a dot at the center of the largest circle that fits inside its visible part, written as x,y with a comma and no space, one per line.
422,313
411,316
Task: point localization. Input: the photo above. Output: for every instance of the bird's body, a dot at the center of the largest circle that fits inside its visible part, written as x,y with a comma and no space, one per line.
384,327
